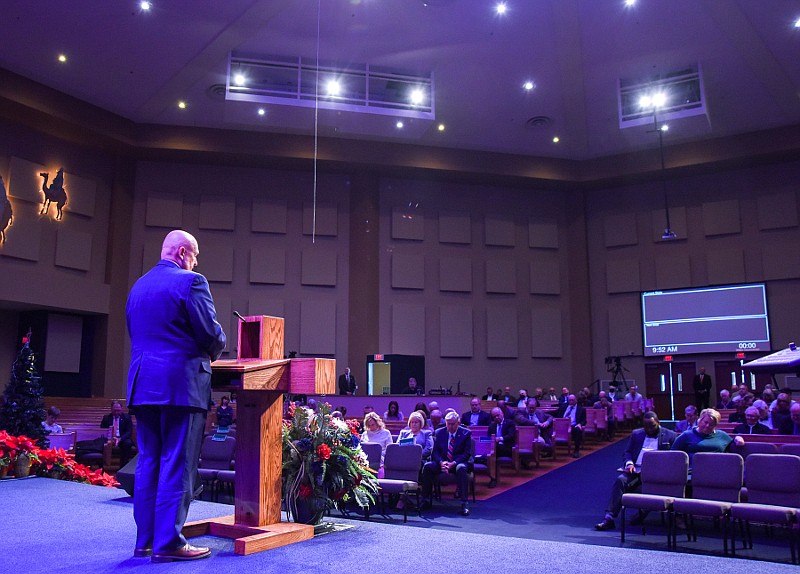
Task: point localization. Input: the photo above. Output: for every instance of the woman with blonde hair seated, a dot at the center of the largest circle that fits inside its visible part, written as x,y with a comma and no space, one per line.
375,431
416,430
705,437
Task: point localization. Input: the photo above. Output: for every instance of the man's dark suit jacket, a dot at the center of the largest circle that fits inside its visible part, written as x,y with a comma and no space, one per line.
580,414
462,446
344,387
665,439
125,425
787,427
508,432
744,428
484,419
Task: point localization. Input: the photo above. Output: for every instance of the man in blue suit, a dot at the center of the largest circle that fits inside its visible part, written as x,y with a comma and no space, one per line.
452,450
174,337
651,437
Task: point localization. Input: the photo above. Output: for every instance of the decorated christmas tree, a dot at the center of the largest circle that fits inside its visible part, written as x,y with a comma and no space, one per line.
22,410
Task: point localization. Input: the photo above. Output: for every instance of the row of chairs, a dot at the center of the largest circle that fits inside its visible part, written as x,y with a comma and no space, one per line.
769,484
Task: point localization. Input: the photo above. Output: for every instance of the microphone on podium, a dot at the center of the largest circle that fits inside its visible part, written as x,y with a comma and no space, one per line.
239,315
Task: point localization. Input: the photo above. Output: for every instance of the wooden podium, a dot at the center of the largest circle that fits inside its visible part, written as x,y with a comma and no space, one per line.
260,375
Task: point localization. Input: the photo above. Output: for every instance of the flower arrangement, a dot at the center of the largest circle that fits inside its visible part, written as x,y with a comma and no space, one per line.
323,464
51,462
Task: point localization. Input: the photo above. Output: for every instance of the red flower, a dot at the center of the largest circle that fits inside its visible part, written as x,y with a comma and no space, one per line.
305,491
324,451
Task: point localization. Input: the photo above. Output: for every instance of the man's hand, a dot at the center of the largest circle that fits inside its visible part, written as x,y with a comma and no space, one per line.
738,441
630,468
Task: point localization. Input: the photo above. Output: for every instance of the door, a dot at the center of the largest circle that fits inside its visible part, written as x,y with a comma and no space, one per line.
670,388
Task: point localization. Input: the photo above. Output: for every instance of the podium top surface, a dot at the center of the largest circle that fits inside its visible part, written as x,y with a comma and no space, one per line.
246,365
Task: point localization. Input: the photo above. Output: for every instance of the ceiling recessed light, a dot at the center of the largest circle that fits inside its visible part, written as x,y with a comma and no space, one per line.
333,87
664,127
182,105
528,85
556,139
239,79
417,96
399,125
145,5
261,111
797,23
62,58
630,3
441,127
501,8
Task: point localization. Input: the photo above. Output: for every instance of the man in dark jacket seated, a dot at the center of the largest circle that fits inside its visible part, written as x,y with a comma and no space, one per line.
475,416
120,428
452,450
751,424
652,436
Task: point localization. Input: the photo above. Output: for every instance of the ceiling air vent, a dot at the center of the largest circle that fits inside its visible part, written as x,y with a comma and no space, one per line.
683,90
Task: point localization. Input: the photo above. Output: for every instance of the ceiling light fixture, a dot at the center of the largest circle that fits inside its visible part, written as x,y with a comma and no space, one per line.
261,111
182,105
630,3
654,102
441,127
556,139
145,5
417,97
501,8
62,58
528,85
797,23
399,125
334,88
239,79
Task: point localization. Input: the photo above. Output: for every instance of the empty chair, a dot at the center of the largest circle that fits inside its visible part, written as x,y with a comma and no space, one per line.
789,449
373,452
590,427
755,448
215,455
664,477
773,495
483,461
562,434
401,465
64,440
527,445
716,485
601,423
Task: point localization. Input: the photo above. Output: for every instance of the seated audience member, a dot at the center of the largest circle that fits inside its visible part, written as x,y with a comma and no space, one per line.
375,431
563,399
337,414
768,396
312,404
49,424
532,416
420,406
120,431
507,396
634,395
705,437
751,424
551,395
522,399
740,394
416,431
741,406
612,393
652,436
342,409
725,401
224,413
475,416
413,388
489,396
602,403
393,413
689,421
764,416
436,421
506,432
577,415
451,454
507,411
792,424
432,406
781,412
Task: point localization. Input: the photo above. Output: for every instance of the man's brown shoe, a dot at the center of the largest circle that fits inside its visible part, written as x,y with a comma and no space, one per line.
187,552
142,552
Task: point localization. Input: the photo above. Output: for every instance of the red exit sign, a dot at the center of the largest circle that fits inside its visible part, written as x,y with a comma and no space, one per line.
667,358
740,355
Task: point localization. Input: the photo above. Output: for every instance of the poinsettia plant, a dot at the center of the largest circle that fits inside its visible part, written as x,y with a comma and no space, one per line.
323,464
51,462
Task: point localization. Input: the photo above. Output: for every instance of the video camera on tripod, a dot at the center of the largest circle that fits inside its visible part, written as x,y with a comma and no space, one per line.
614,366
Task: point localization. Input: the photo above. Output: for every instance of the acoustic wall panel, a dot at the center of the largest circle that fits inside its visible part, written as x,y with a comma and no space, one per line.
24,181
326,220
499,231
501,276
408,271
673,271
780,263
677,223
81,194
546,333
542,235
725,266
624,326
64,338
455,331
545,277
777,211
455,274
227,320
620,229
23,239
318,267
622,276
269,216
217,212
502,333
264,305
317,328
408,329
74,249
455,228
164,210
721,218
408,223
216,262
268,265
